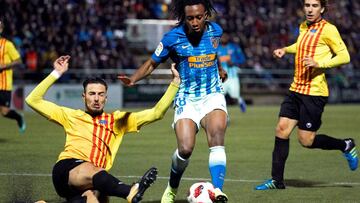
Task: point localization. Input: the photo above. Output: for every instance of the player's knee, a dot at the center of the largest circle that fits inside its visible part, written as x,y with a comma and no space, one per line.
305,141
185,151
282,131
306,138
81,176
4,111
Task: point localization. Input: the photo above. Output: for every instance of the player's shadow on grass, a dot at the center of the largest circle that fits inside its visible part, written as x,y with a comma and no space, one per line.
3,140
177,201
308,183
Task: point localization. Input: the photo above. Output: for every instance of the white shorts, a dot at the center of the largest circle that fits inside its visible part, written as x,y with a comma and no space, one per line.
232,87
196,109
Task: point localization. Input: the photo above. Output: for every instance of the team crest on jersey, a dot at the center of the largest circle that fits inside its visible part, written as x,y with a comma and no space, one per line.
313,31
215,42
103,122
159,49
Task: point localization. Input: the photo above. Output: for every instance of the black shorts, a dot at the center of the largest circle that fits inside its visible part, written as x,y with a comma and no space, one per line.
5,98
60,176
306,109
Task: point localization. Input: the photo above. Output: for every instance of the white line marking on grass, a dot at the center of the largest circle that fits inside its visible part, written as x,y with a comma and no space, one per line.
166,178
26,174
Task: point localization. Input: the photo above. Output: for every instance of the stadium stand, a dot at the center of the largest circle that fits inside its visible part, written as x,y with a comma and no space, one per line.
93,33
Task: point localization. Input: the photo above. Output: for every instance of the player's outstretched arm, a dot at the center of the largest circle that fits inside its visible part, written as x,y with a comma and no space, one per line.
142,72
158,111
35,98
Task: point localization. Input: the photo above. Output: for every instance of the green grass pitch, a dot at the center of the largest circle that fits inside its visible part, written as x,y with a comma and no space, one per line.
311,175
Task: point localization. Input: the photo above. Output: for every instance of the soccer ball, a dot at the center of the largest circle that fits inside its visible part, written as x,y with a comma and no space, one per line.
201,192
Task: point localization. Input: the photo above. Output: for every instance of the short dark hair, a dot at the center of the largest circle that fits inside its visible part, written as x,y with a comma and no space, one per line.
178,8
324,3
94,80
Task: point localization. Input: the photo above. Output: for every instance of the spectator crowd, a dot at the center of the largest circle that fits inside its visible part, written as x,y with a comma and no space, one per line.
93,31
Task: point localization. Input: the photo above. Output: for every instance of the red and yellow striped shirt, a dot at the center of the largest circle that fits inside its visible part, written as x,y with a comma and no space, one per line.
8,54
95,139
323,43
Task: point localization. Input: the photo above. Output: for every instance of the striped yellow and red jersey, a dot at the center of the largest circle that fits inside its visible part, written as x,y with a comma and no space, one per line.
8,54
95,139
322,42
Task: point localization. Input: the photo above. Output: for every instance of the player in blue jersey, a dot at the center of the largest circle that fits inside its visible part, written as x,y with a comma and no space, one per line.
193,46
231,57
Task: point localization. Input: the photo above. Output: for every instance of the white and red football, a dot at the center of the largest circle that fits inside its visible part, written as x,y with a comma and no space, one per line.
201,192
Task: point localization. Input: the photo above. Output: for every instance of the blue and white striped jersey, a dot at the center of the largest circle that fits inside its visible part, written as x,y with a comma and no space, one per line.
197,64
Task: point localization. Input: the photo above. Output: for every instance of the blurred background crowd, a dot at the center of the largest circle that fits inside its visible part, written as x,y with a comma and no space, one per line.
93,31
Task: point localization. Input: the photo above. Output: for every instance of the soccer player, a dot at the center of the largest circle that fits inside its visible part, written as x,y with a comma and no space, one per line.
200,102
93,138
318,48
9,58
231,57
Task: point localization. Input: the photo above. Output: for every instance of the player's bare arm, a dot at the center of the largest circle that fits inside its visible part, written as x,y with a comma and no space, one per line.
279,53
142,72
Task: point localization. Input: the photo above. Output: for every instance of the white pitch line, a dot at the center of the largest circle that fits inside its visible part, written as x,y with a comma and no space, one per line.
166,178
